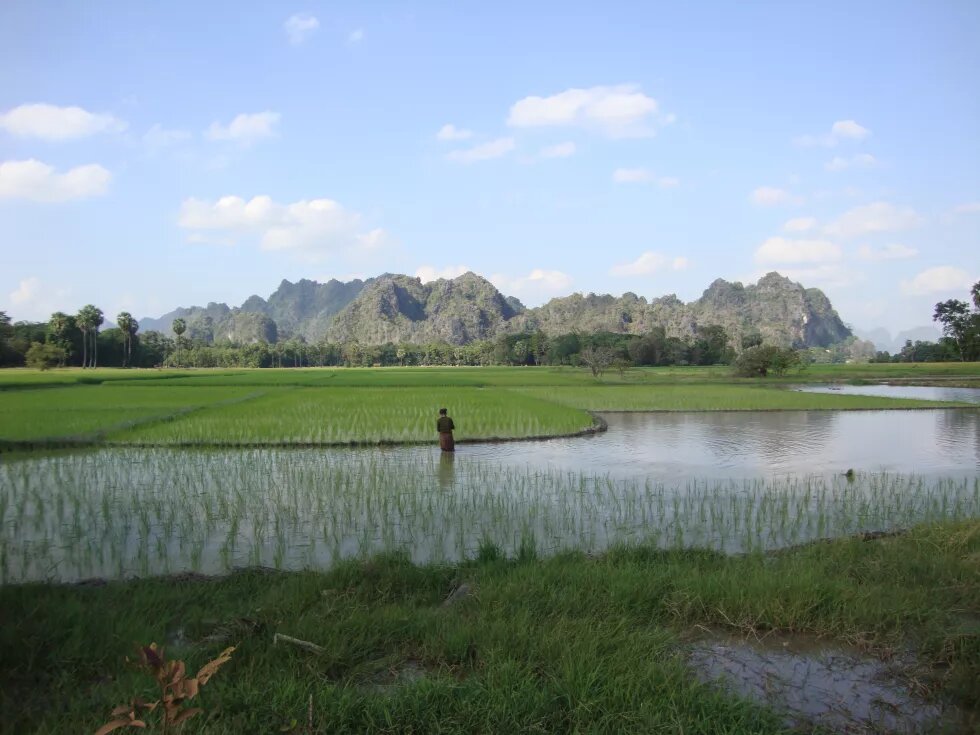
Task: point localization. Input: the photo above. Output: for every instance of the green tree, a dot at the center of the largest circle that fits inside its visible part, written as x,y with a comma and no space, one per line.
179,326
129,327
59,326
961,323
42,356
89,319
759,361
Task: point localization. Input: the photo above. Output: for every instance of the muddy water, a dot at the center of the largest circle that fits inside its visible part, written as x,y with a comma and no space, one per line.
810,682
738,445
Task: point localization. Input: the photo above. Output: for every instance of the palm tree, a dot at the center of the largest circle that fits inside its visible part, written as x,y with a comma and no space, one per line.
179,326
97,320
84,319
129,327
58,326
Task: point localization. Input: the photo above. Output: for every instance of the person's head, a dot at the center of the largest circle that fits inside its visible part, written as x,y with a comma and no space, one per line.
443,412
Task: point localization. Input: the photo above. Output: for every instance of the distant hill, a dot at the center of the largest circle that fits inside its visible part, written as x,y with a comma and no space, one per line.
399,308
884,341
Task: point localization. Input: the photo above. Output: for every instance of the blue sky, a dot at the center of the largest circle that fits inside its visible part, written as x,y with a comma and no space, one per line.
163,154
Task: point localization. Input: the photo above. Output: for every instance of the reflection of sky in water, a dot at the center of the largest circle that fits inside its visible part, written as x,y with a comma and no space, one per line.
673,446
922,392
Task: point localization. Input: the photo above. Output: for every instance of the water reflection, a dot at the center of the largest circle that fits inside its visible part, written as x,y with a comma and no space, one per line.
676,446
447,470
921,392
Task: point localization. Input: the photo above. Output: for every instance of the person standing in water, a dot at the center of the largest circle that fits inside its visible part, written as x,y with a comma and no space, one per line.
445,427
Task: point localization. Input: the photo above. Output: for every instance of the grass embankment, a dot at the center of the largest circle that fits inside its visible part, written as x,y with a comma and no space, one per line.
386,405
566,644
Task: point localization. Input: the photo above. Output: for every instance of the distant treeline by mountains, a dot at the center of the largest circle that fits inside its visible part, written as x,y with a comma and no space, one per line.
400,309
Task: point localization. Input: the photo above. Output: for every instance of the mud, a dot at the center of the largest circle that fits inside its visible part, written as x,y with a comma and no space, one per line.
813,683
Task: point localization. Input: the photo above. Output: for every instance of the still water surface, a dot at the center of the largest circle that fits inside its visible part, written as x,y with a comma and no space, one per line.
923,392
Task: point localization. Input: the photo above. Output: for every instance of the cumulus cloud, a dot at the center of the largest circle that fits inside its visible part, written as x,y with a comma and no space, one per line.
769,196
245,129
941,279
840,163
800,224
26,291
968,208
559,150
161,137
648,264
355,36
874,217
620,111
842,130
451,132
785,250
895,251
483,152
36,181
50,122
300,27
310,229
632,176
430,273
535,287
827,275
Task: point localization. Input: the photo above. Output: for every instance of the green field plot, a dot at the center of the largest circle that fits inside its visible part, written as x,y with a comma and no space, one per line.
712,397
85,412
364,415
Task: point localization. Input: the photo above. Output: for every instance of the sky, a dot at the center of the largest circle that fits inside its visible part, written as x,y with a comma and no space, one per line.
155,155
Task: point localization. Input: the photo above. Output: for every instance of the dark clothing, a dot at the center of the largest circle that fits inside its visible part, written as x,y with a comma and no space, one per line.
445,428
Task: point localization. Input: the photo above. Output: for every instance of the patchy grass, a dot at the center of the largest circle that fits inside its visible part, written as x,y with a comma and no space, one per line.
565,644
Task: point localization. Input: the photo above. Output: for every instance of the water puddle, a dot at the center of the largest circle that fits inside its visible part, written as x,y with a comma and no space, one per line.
815,683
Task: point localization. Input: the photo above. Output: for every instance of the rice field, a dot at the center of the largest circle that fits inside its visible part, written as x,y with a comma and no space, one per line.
123,513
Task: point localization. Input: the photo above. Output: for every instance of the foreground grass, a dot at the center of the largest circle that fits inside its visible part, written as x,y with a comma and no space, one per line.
566,644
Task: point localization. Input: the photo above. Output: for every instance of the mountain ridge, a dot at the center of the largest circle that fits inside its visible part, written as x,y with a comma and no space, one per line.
399,308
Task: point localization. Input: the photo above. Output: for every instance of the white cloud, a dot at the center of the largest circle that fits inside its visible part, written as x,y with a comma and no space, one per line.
26,291
430,273
483,152
311,229
894,251
941,279
839,163
37,181
451,132
968,208
160,137
668,182
769,196
560,150
784,250
800,224
632,176
647,264
841,130
828,275
300,27
246,128
620,111
875,217
355,36
535,287
50,122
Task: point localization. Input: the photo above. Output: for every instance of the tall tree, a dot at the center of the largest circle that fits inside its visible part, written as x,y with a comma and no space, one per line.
179,326
129,327
98,318
58,326
84,322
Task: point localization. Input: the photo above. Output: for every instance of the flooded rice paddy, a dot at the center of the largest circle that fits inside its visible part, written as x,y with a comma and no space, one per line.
732,482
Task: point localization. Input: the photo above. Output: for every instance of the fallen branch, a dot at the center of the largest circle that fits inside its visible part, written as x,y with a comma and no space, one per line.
306,645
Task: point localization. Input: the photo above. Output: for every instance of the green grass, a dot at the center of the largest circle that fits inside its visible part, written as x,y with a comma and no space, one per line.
714,397
565,644
87,412
365,415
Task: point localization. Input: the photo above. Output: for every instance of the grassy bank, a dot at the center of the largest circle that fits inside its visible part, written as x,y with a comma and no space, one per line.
387,405
565,644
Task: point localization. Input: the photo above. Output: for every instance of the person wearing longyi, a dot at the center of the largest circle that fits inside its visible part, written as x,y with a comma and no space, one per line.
445,426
